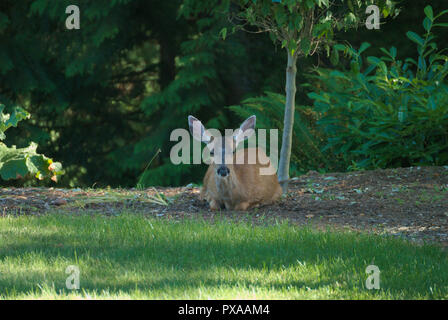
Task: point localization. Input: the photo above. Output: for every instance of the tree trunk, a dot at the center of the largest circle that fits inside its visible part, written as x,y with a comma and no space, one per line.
285,153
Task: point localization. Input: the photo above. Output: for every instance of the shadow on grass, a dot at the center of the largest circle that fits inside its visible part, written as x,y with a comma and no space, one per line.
179,258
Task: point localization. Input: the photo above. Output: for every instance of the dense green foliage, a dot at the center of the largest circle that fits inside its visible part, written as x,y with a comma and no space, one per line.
302,26
104,98
17,163
131,256
393,112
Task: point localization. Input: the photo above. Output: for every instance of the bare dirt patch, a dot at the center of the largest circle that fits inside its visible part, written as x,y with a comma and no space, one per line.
406,202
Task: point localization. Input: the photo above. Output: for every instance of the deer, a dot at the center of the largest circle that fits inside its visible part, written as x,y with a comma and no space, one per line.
231,184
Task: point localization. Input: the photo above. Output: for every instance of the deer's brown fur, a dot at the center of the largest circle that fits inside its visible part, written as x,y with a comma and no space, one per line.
245,187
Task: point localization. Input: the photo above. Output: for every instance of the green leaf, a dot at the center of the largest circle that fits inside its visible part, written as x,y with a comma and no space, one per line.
415,37
364,46
16,163
429,13
373,60
318,97
223,33
280,15
350,19
305,45
298,21
13,169
354,66
427,24
339,47
292,46
393,52
11,120
321,3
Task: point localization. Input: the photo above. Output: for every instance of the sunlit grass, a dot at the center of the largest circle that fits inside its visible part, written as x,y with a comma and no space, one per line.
133,257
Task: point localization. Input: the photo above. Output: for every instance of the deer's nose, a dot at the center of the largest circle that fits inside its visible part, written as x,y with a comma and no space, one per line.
223,171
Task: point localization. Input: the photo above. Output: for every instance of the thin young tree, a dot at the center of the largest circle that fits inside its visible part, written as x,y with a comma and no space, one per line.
302,27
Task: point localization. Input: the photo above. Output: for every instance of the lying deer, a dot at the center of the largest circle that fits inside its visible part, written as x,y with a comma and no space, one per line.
232,184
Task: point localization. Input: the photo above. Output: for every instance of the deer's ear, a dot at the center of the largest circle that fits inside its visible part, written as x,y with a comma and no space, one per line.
197,130
246,129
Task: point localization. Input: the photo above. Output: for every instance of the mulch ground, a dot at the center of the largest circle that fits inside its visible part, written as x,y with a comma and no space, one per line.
406,202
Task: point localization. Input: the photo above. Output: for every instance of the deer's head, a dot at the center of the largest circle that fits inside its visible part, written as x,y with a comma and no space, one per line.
222,148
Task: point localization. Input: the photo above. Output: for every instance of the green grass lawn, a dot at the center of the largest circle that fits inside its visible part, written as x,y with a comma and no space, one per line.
130,256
